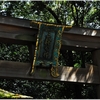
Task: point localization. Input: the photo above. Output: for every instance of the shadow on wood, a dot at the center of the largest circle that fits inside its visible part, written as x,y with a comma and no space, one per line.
10,69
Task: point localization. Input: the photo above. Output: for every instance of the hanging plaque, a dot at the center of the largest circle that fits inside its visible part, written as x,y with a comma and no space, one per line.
48,46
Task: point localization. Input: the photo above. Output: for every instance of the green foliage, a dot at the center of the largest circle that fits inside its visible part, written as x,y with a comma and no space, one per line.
83,13
46,89
14,52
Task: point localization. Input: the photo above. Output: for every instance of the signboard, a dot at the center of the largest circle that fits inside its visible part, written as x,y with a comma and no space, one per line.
48,46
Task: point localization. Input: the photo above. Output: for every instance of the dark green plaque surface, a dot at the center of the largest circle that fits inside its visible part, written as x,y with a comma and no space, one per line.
48,45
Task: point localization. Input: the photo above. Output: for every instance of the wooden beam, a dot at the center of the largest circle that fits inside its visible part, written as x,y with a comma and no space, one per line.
18,31
10,69
84,31
15,21
23,35
17,34
26,23
81,41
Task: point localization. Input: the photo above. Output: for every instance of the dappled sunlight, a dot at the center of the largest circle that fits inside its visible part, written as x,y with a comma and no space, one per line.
70,74
89,32
94,32
83,75
92,74
84,31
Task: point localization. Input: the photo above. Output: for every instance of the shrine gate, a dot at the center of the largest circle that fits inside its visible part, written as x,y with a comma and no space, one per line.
19,31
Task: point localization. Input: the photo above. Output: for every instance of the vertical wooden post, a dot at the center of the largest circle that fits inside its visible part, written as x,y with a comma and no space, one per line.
31,48
96,61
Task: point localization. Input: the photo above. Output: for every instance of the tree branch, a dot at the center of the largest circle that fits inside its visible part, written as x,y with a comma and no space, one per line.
73,13
82,17
76,15
51,11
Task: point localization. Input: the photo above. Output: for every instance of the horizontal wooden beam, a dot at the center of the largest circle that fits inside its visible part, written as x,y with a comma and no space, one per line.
22,35
18,31
15,21
81,41
10,69
84,31
26,23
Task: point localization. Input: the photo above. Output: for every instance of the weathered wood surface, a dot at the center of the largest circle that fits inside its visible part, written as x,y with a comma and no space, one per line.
23,35
26,23
14,21
18,31
84,31
9,69
17,34
81,41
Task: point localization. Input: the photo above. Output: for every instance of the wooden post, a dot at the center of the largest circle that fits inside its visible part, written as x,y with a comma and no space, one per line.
96,61
31,49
